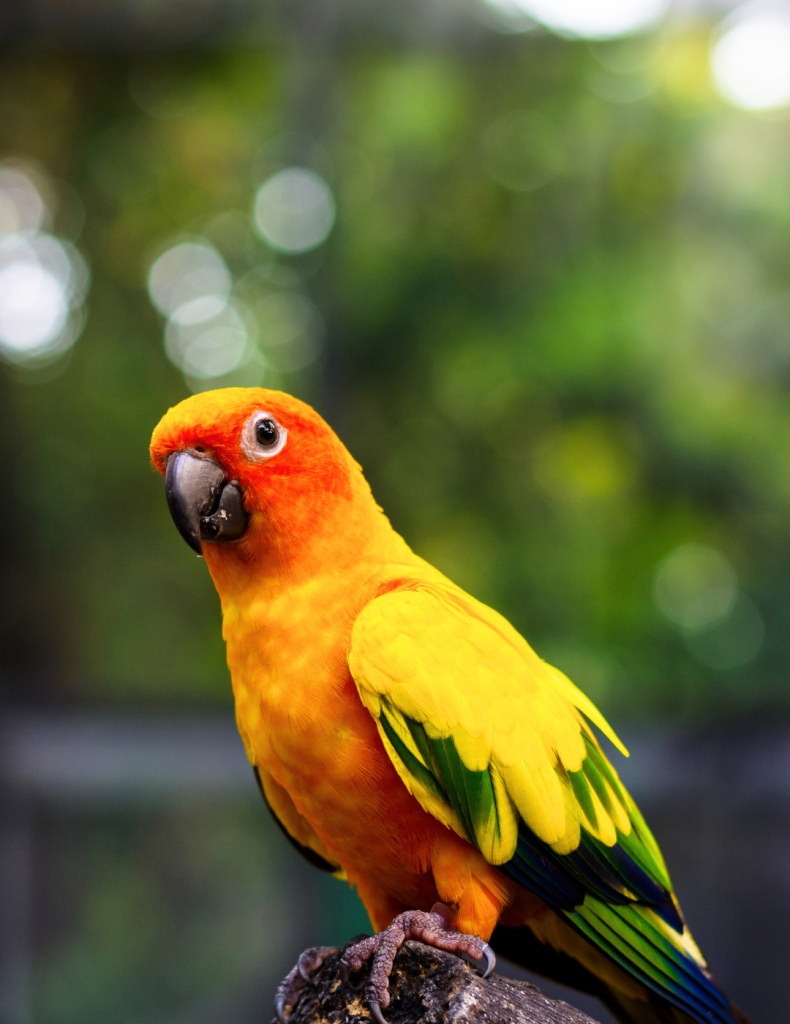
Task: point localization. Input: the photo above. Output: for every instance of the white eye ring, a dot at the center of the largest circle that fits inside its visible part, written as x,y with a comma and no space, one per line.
251,446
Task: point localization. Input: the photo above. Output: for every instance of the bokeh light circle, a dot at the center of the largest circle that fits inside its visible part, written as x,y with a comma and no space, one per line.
732,642
22,209
190,280
751,61
592,19
294,210
42,282
695,586
43,279
33,307
208,348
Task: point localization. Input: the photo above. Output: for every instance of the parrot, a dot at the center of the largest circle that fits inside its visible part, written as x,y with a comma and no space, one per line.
407,738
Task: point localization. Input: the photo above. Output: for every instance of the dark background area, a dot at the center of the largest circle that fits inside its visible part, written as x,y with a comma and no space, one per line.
539,284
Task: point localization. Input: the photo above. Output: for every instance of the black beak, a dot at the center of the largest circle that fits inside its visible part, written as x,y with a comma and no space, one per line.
204,506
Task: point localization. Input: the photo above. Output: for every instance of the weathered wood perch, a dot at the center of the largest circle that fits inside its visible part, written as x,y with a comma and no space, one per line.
429,986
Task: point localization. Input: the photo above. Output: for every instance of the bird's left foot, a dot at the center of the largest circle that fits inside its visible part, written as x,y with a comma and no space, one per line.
290,988
433,929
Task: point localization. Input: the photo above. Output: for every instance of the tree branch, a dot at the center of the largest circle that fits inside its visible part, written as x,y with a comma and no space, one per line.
429,986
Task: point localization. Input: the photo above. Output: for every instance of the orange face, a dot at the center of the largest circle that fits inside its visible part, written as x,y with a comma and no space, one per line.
260,449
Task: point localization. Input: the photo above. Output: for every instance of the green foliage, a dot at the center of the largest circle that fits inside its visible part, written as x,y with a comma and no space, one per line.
181,906
556,340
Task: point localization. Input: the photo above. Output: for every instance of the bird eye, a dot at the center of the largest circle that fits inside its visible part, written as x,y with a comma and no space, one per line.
266,433
262,437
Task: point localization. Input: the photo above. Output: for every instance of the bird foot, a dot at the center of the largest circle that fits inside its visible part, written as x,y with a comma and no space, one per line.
301,975
432,928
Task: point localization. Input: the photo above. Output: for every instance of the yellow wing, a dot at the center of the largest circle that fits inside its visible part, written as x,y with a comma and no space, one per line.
432,657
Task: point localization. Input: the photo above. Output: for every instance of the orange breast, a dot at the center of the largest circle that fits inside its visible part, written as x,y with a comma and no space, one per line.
302,721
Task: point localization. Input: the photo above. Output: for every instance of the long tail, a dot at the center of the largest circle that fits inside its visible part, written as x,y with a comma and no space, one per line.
520,946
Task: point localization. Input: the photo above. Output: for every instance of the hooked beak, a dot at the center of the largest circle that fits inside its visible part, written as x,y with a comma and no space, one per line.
203,504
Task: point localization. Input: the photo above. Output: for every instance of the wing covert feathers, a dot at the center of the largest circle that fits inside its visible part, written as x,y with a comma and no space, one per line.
497,745
454,687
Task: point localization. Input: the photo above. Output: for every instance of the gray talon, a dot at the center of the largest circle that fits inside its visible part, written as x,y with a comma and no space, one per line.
303,966
375,1011
490,956
279,1007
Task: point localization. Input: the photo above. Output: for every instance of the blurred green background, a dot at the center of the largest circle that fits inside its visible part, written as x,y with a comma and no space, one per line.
543,295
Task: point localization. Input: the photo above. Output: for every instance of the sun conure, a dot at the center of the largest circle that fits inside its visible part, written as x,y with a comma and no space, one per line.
406,737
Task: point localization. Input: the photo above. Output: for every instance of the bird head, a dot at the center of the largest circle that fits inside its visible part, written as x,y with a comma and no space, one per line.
254,474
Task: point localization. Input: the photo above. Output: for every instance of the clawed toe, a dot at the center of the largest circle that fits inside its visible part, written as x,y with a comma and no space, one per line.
432,928
375,1012
344,971
489,956
286,996
306,963
301,975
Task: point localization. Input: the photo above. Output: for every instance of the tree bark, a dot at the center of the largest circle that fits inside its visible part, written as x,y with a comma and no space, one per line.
429,986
